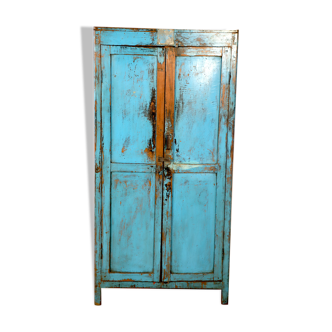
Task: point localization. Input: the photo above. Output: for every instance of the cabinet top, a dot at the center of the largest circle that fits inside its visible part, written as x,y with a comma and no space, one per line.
155,30
165,37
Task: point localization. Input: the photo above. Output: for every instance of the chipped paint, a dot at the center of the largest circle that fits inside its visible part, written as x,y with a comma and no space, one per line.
125,144
149,151
168,181
165,37
210,168
116,182
212,155
176,166
150,114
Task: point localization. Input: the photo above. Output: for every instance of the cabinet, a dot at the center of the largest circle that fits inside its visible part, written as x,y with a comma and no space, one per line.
164,141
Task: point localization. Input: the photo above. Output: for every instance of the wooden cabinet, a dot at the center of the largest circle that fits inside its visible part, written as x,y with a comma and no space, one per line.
164,139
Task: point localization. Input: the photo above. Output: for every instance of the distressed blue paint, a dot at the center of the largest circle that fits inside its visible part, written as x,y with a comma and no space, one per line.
197,91
132,224
136,168
134,80
165,37
121,37
222,141
193,168
98,197
229,174
167,218
192,276
196,218
161,285
193,223
149,37
198,38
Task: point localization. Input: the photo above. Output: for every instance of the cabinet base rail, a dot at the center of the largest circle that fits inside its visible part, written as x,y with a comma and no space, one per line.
217,285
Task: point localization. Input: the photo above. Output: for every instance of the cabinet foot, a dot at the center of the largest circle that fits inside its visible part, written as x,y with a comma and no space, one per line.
97,295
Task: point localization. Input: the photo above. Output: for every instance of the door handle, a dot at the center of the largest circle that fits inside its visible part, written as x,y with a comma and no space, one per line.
168,142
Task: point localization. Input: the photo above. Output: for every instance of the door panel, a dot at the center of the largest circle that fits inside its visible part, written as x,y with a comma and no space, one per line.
133,98
193,223
132,222
197,91
132,118
194,183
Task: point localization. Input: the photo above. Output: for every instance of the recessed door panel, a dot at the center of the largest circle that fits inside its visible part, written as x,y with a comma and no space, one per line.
193,222
132,222
197,96
133,107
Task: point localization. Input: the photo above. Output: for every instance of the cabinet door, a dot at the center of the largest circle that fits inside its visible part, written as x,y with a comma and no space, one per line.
197,85
132,140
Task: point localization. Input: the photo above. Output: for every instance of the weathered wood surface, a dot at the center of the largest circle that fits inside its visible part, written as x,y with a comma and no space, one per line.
161,285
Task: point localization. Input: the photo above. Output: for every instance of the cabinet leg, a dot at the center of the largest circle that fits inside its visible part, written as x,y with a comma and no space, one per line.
97,295
224,294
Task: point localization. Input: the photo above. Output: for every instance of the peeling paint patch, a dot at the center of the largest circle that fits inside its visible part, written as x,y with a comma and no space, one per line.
176,167
150,114
116,182
125,144
165,37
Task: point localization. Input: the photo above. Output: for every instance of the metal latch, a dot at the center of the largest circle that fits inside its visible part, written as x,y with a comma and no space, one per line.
162,159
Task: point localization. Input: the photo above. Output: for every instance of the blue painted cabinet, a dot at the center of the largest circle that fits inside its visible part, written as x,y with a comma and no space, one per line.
164,141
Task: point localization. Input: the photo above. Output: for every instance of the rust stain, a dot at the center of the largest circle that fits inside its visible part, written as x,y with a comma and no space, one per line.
201,42
212,155
168,263
168,182
160,109
149,152
170,84
180,70
230,169
163,237
223,96
150,113
125,144
127,280
116,182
